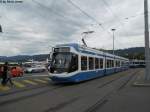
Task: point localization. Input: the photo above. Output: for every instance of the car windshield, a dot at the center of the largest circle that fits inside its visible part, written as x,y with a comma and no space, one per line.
60,62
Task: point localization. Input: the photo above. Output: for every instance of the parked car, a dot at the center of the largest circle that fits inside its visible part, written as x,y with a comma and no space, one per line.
35,69
16,71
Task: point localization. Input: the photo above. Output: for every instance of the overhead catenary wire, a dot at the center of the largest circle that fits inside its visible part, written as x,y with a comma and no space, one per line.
85,13
134,16
57,13
88,15
116,16
109,8
50,9
123,19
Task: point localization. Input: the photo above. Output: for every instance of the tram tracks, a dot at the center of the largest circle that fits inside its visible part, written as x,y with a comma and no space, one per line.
112,80
105,98
47,85
62,105
23,90
37,92
45,89
24,97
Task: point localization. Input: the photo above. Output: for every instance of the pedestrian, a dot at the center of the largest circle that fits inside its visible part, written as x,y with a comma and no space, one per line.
4,75
1,71
9,76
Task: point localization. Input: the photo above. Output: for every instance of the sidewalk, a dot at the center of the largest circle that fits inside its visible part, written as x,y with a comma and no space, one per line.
140,80
132,98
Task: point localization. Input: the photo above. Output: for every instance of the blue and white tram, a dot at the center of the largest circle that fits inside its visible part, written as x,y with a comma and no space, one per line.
76,63
137,63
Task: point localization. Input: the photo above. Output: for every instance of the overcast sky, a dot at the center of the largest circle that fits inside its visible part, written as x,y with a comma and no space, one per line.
33,26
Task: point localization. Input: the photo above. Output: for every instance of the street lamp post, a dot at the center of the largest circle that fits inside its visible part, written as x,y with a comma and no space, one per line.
113,30
147,51
86,33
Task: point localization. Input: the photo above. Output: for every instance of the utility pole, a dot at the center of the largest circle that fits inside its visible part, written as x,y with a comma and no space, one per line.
113,40
147,51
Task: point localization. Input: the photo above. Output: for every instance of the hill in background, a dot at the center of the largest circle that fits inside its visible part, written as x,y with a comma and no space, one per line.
24,58
131,53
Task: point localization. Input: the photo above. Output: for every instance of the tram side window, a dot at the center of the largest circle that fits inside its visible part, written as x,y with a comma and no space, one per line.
125,63
96,63
74,63
122,63
101,63
83,63
108,64
117,63
91,63
112,64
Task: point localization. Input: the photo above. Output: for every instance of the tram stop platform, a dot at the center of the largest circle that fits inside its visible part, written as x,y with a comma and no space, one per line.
140,80
134,97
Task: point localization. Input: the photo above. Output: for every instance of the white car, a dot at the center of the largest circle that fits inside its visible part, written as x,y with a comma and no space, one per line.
35,69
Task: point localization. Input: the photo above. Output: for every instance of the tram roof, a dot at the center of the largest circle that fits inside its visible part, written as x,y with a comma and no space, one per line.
79,47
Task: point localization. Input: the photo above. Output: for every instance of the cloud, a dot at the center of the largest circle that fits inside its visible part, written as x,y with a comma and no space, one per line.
34,25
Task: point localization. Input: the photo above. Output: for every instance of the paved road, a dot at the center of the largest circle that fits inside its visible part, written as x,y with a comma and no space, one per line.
40,94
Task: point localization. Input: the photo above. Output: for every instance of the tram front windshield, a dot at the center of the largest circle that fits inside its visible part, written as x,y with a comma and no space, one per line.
64,62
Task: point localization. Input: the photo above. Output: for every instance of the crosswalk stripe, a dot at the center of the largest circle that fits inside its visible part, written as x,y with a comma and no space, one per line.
42,81
30,82
47,79
18,84
4,88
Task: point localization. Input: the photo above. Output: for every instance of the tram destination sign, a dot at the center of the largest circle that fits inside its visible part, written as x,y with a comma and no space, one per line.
62,49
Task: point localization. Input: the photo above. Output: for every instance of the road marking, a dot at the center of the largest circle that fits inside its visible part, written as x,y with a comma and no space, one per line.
141,84
37,76
47,79
4,88
17,84
30,82
42,81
